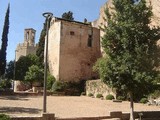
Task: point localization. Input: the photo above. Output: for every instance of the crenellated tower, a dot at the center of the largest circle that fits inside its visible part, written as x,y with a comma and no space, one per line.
28,47
29,36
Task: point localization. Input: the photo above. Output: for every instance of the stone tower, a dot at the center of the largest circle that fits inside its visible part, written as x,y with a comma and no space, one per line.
28,47
73,49
29,36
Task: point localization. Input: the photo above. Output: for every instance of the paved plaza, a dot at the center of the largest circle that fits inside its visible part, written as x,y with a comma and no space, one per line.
66,107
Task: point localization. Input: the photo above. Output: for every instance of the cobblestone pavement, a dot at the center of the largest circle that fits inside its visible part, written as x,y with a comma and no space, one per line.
66,107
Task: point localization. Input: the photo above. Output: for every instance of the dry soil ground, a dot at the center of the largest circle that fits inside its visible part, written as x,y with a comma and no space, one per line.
65,107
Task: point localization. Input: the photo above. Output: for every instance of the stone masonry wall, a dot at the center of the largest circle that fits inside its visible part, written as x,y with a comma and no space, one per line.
98,87
24,50
70,57
76,57
54,49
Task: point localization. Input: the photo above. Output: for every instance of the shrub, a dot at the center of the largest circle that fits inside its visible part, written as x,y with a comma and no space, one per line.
69,88
109,97
74,88
4,84
50,81
144,100
121,98
99,95
34,74
4,117
83,93
90,94
58,86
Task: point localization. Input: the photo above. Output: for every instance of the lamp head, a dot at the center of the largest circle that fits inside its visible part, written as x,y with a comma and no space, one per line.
47,14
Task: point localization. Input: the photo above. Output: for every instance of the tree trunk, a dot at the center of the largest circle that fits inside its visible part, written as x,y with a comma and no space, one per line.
131,106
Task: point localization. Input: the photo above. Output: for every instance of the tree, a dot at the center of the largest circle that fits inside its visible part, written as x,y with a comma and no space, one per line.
23,64
10,70
34,74
68,15
130,46
4,43
40,49
41,43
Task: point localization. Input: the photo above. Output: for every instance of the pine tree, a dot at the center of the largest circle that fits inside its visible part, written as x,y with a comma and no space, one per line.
68,15
130,46
4,42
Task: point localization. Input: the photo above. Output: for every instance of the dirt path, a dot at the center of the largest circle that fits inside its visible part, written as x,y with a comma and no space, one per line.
66,107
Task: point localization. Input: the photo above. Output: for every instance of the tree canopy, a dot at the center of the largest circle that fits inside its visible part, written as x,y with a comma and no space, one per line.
34,74
10,70
41,43
68,15
4,39
40,49
23,64
130,46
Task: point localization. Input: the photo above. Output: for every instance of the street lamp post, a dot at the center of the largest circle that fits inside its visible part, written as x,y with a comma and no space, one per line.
14,72
47,15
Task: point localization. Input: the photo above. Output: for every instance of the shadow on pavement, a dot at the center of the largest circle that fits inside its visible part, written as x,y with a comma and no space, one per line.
13,98
19,110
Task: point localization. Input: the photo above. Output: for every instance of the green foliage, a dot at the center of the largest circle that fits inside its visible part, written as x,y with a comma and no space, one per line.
155,94
4,39
69,88
90,94
68,15
10,70
130,47
99,96
121,98
4,117
83,93
109,97
41,43
35,74
58,86
40,49
144,100
23,64
50,81
5,84
75,88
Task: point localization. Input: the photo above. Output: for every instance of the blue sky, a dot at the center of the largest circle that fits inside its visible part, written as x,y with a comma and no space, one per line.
28,14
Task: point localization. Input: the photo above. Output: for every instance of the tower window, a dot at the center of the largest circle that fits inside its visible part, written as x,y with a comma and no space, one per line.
89,40
71,32
27,35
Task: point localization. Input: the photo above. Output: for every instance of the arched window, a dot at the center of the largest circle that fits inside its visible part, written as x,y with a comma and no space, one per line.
27,35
